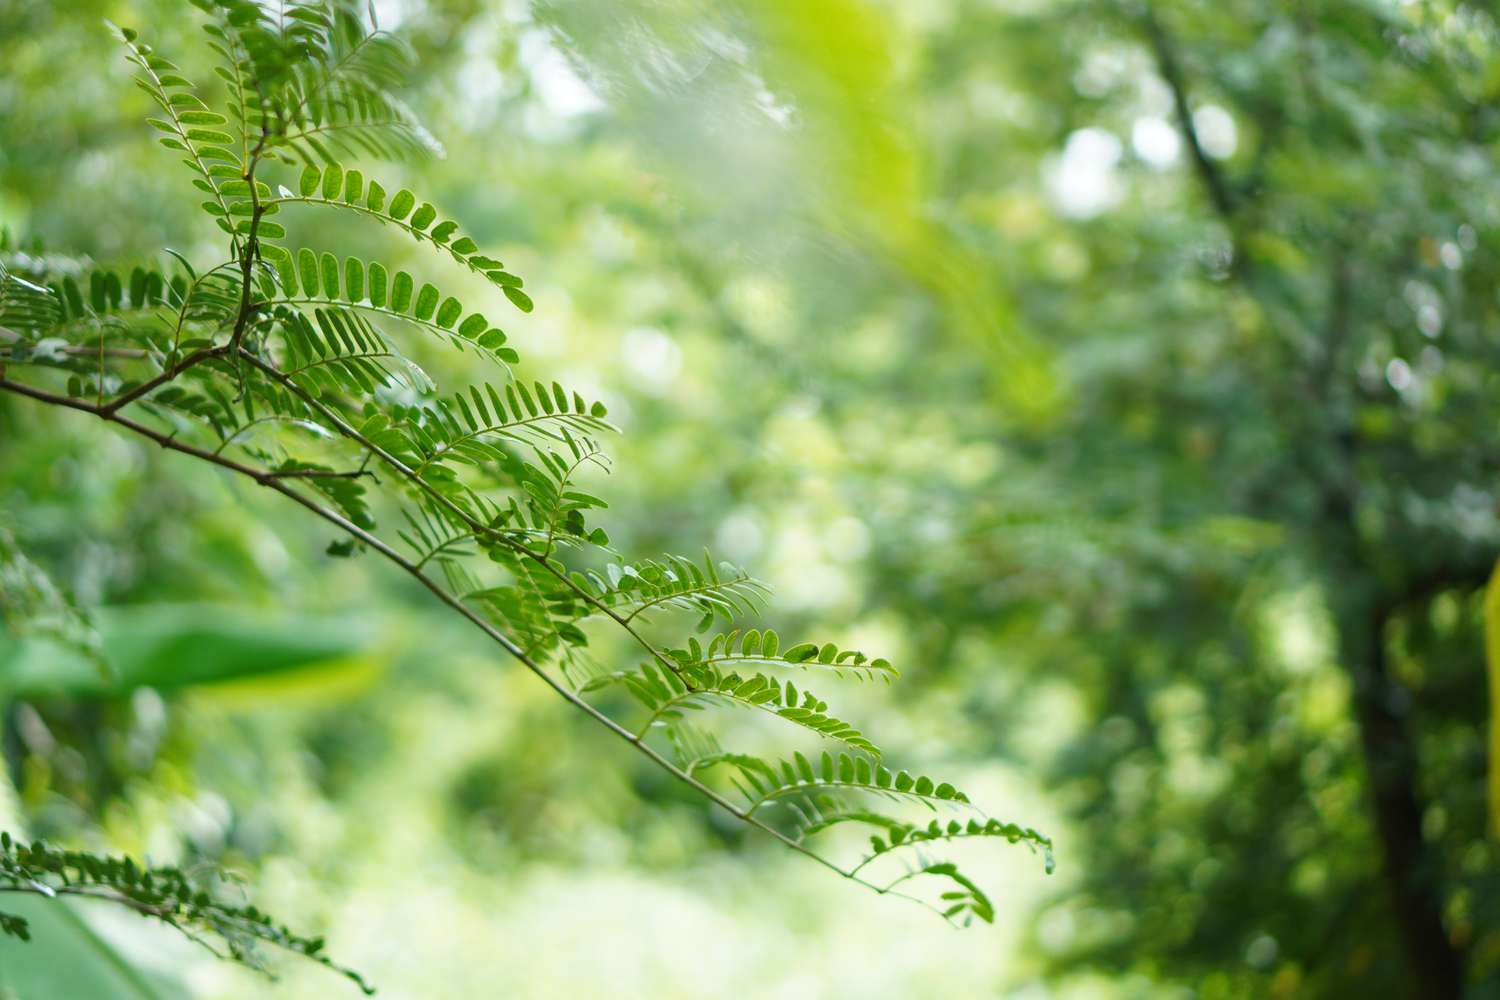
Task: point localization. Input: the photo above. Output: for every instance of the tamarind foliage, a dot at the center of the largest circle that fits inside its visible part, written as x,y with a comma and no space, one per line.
293,367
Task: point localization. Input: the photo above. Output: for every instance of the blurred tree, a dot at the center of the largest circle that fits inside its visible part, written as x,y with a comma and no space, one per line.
1339,384
1271,312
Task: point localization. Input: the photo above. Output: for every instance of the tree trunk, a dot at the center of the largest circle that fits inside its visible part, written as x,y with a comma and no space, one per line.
1381,707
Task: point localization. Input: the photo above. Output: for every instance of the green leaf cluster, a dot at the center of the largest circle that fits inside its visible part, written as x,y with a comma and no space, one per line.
188,903
286,367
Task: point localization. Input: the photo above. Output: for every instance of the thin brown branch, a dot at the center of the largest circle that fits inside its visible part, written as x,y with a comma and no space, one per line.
317,473
170,374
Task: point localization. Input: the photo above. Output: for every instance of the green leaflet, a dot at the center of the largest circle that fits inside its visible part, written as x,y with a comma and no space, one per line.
754,647
518,298
340,350
307,269
401,292
171,92
422,217
354,279
473,428
333,185
712,590
667,694
333,181
378,284
315,278
330,268
427,299
196,907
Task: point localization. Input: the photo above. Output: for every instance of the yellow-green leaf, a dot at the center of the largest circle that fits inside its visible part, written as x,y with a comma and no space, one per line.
354,279
427,300
402,203
401,292
330,276
333,181
307,265
377,284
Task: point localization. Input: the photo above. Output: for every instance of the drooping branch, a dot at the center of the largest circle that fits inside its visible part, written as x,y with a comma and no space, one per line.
480,529
276,483
185,903
326,378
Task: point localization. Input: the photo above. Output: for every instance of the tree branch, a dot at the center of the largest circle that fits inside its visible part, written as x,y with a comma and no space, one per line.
479,527
1171,71
271,481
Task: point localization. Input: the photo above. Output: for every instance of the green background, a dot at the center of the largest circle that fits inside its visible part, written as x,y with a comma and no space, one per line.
1159,465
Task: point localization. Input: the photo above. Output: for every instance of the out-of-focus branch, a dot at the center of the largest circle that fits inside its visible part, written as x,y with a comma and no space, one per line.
1170,68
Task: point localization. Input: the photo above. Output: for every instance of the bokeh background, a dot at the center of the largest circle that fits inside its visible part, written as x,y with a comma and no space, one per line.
1125,372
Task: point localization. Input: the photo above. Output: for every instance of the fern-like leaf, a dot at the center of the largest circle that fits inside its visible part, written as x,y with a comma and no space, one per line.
764,783
341,350
189,127
667,695
472,428
754,648
713,590
308,279
272,366
167,894
347,189
324,80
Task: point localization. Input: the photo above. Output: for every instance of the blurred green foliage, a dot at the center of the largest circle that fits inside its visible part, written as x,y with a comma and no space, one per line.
1166,453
